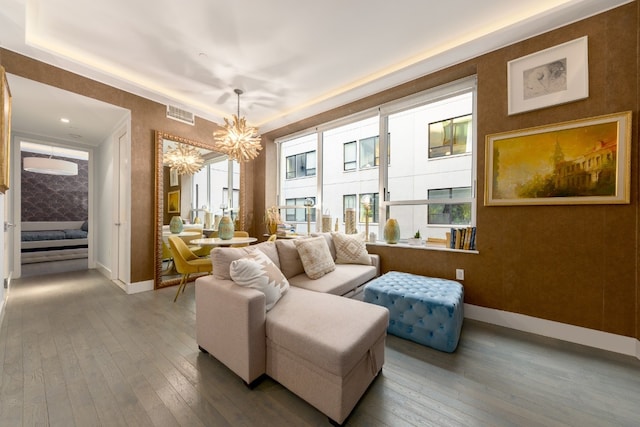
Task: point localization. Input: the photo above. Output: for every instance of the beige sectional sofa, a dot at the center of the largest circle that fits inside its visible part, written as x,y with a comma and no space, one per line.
323,347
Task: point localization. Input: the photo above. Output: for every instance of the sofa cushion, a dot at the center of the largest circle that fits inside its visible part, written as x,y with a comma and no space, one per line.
290,262
331,332
257,271
351,249
345,278
221,258
315,256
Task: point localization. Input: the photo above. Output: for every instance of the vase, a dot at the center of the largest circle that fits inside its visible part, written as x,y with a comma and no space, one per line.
225,228
392,231
176,225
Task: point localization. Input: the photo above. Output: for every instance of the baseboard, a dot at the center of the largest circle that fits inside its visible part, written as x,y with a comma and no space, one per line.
103,269
562,331
134,288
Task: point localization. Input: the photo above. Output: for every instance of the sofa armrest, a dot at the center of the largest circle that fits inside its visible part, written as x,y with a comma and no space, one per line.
230,325
375,261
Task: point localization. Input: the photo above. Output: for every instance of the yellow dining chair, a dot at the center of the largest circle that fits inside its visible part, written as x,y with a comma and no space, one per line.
240,234
272,238
186,262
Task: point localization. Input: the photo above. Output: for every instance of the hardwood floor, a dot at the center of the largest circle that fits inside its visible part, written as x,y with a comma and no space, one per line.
76,351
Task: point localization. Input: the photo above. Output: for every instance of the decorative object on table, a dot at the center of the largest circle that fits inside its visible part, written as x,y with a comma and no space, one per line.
336,228
326,223
416,240
226,228
184,159
238,140
392,231
308,204
176,224
552,76
583,161
462,238
373,237
173,201
272,219
350,221
208,219
366,206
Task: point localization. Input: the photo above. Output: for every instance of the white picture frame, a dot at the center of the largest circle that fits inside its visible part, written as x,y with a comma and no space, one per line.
553,76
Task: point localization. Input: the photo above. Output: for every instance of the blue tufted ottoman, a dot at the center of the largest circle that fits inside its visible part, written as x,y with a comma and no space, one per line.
423,309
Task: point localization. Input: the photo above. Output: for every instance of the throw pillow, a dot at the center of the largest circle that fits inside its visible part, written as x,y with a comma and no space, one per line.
290,262
332,246
315,255
221,258
257,271
351,249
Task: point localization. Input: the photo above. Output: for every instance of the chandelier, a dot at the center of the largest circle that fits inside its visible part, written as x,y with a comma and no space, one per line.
50,166
184,159
238,140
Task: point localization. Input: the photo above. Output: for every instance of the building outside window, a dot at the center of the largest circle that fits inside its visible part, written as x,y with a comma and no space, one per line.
301,165
429,186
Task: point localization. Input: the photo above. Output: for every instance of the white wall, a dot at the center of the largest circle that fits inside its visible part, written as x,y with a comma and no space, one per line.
103,163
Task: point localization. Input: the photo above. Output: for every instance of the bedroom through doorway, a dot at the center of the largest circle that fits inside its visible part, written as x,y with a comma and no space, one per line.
54,211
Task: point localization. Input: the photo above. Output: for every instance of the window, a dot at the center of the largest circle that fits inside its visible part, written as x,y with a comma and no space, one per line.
450,213
348,202
369,152
449,137
429,186
299,214
373,207
301,165
350,156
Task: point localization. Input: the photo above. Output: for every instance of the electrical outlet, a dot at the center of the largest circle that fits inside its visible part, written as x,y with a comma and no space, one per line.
459,274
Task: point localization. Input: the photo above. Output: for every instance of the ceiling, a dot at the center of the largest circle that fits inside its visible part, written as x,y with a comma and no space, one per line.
292,59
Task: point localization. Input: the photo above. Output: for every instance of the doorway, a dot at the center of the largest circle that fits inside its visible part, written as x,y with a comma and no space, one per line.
54,208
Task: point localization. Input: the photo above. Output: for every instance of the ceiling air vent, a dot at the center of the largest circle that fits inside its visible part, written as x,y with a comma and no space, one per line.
181,115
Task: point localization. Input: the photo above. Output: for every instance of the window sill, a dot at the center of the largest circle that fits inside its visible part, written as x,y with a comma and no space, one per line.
429,246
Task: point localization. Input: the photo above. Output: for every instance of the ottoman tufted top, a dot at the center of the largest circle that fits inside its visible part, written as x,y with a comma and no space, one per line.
422,288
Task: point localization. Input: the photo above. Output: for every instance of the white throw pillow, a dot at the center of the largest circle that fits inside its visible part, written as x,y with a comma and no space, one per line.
257,271
351,249
315,255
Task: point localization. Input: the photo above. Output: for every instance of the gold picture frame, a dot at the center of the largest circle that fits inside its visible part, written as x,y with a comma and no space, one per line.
5,131
173,201
583,161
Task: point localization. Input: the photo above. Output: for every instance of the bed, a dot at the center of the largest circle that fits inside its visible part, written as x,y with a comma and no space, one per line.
43,241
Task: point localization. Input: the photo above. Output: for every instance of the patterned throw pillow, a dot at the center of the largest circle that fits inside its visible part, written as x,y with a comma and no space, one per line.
257,271
316,258
351,249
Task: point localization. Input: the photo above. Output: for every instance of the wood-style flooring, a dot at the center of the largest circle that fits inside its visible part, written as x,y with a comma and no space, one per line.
76,351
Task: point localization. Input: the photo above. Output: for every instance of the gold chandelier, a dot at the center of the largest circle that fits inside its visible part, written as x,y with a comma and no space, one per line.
184,159
238,140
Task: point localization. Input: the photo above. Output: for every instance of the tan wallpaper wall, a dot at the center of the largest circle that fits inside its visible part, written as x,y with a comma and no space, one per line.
572,264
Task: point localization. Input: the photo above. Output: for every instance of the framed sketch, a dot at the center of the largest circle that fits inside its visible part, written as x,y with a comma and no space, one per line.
579,162
552,76
173,177
173,201
5,131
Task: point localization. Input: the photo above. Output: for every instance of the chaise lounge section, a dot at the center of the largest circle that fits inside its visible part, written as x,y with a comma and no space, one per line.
323,347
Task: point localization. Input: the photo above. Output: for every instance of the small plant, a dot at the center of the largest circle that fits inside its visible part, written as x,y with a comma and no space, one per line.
417,235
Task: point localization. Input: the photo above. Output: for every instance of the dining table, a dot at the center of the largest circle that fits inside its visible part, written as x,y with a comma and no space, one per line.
217,241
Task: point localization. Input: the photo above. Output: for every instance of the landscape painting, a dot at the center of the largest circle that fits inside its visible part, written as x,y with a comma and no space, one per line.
578,162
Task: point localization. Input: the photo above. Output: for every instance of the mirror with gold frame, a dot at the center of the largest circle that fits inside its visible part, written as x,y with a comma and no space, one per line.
196,198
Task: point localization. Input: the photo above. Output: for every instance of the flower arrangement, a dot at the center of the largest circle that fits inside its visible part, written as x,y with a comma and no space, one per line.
272,219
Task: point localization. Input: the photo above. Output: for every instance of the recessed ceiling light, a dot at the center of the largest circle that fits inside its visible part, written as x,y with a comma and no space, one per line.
64,120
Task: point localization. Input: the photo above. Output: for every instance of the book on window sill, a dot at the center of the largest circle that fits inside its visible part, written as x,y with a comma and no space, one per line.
463,238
